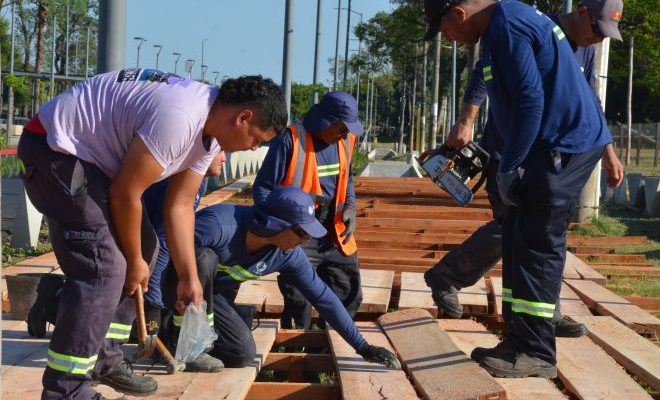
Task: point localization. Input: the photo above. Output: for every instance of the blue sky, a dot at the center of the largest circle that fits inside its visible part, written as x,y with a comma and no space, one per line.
244,36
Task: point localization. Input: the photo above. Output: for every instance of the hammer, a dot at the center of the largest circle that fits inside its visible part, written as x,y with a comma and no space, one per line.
148,343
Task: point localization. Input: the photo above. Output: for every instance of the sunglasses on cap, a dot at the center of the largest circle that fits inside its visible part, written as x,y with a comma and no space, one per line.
300,232
595,28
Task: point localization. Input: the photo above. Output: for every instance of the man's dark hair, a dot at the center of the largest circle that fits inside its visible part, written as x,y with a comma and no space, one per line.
259,93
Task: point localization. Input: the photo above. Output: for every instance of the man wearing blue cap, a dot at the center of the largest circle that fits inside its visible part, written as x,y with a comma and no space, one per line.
239,243
315,156
551,134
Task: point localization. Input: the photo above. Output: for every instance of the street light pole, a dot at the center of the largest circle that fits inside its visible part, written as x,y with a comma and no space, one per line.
334,82
317,48
66,39
204,68
178,55
348,35
202,65
160,48
87,54
189,66
140,41
215,80
287,56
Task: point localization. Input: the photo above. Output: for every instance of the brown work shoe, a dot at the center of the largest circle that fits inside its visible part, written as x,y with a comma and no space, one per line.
518,365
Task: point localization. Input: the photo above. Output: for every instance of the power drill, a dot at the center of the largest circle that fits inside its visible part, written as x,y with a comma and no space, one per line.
452,169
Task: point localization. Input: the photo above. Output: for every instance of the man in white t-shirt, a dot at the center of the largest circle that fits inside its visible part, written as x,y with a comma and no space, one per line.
89,155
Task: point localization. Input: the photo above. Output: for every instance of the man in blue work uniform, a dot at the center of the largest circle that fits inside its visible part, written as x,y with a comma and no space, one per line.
465,265
315,155
239,243
553,134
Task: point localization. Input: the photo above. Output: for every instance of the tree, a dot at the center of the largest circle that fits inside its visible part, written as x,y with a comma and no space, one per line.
302,96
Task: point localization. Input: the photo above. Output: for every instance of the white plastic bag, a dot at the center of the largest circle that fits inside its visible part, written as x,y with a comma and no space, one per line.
196,336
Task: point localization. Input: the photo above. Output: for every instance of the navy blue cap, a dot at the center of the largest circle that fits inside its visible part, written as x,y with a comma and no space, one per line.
284,208
333,107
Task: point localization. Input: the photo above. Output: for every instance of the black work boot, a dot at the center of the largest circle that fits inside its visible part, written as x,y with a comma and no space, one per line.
518,365
205,363
503,348
445,299
566,327
123,379
47,297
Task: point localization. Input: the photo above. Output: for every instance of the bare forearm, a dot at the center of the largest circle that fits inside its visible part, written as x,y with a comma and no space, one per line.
180,236
126,216
468,114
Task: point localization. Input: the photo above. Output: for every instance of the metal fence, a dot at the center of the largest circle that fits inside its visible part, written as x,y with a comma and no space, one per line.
644,147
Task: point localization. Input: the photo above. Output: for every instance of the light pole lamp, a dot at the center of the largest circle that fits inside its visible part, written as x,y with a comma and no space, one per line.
215,80
176,61
189,65
140,41
203,70
160,48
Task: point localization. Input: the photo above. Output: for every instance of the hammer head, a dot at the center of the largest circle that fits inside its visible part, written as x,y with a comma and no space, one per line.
146,348
175,366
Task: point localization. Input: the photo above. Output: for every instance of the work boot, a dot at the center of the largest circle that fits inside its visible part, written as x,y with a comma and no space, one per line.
518,365
205,363
47,296
445,299
123,379
503,348
99,396
566,327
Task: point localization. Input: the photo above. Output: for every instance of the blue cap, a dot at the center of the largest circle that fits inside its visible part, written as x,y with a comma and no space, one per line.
333,107
284,208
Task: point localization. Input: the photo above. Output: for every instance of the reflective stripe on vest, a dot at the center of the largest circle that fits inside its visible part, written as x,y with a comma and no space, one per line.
303,172
118,331
560,34
70,364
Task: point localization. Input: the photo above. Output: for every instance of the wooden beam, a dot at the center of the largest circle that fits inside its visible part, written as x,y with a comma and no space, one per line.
360,379
437,367
311,362
293,391
636,354
589,373
585,271
604,302
294,338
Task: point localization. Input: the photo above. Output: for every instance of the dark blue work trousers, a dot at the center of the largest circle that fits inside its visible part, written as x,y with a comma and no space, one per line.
94,316
534,246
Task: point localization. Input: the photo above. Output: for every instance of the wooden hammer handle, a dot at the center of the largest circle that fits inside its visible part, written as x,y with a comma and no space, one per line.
139,313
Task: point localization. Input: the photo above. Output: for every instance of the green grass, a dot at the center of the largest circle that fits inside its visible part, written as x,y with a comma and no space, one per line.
619,221
645,164
14,255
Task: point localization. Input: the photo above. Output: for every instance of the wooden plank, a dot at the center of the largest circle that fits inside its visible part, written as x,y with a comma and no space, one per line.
589,373
376,290
468,334
437,367
585,271
360,379
638,355
310,362
301,338
415,294
234,383
570,302
612,258
604,302
293,391
260,292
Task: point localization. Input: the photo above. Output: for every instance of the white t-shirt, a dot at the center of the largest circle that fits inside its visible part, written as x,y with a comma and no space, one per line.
98,119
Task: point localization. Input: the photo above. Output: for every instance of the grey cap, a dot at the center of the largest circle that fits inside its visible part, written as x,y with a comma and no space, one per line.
607,14
433,12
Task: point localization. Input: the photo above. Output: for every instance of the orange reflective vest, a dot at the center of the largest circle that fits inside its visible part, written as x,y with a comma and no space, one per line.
303,172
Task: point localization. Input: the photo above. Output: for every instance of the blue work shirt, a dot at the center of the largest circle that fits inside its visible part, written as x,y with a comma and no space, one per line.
539,97
273,170
222,228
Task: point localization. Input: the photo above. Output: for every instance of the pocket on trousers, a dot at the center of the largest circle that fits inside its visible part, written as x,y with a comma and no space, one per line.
559,219
78,253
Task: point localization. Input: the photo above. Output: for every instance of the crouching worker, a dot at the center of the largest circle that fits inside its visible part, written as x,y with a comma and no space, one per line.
238,243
